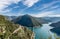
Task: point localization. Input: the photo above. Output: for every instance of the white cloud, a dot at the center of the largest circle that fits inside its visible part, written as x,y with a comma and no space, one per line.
11,14
46,14
54,7
57,15
4,3
49,5
30,3
43,14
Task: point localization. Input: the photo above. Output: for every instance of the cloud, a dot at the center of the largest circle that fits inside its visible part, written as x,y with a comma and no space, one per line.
11,14
30,3
43,14
48,6
46,14
54,7
43,8
56,15
5,3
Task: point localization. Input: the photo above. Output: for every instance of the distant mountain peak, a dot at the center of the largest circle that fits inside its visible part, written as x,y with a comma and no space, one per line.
26,15
27,20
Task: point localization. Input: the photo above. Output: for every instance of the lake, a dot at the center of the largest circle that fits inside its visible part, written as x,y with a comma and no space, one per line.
43,32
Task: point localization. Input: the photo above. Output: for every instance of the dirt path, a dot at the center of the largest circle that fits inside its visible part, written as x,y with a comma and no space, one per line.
20,27
17,30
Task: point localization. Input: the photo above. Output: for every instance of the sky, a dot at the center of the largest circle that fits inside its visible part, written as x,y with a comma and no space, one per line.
38,8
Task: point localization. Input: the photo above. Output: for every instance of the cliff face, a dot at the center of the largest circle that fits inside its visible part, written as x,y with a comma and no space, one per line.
9,30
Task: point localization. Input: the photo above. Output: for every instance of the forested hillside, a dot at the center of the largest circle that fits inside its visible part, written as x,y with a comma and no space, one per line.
9,30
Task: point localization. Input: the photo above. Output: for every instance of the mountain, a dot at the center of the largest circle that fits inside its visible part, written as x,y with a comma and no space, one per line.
11,17
43,20
9,30
55,24
27,20
56,28
53,19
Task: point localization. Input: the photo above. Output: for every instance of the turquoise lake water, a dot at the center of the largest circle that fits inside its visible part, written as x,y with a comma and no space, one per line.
43,32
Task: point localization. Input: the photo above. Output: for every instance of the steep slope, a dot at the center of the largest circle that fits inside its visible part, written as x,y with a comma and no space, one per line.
27,20
9,30
56,28
55,24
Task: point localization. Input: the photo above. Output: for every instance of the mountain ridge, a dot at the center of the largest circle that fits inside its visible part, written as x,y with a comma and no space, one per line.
27,20
9,30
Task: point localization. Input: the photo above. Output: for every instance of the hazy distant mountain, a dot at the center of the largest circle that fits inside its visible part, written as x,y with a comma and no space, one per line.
43,20
9,30
10,17
27,20
53,19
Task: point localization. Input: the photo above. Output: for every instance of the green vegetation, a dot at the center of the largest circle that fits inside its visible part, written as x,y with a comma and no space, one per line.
22,34
50,37
57,37
27,20
7,28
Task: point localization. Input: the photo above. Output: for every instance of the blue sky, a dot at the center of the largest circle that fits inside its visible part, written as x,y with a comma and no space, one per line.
38,8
